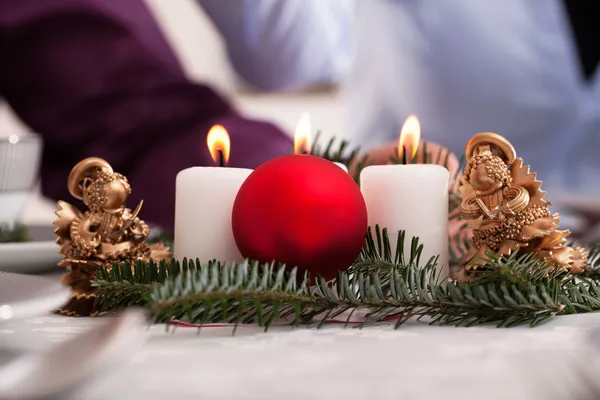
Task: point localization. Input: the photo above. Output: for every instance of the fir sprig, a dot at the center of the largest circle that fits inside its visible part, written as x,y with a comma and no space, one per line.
339,153
129,284
510,290
234,293
592,270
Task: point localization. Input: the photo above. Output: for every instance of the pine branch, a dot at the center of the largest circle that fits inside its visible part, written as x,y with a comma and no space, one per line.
576,293
510,290
234,293
115,295
526,277
126,284
579,295
592,270
243,293
418,292
518,268
339,153
522,275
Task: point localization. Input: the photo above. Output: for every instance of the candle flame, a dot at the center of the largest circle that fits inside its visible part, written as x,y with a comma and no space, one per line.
218,141
410,135
302,136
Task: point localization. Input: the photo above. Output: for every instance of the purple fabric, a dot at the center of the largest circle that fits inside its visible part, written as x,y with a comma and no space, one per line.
97,78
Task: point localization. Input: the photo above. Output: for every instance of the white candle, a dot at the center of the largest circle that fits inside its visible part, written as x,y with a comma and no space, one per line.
342,166
303,138
203,205
412,198
204,200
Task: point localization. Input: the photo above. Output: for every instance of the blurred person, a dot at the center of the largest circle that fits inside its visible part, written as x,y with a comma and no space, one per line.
526,69
279,45
522,68
97,78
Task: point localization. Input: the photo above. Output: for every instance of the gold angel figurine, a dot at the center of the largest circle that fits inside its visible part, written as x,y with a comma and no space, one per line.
106,233
504,204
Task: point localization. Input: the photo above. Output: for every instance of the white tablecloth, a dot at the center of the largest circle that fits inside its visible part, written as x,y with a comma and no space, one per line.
415,362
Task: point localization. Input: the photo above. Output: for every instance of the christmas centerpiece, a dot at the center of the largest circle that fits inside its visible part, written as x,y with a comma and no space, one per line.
289,242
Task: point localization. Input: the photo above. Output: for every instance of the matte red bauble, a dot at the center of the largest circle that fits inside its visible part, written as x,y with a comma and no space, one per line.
303,211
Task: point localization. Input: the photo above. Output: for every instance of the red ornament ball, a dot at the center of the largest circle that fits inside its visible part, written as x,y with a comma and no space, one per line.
303,211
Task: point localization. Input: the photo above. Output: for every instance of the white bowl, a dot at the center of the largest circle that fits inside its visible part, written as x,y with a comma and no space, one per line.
20,158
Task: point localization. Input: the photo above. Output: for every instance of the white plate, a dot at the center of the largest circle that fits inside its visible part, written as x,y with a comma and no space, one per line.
26,296
39,254
28,257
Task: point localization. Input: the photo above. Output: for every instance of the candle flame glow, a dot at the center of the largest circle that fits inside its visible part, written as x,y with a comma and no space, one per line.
218,141
410,136
302,136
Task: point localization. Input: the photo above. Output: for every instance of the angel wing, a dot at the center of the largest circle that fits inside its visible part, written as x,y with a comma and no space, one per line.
523,177
66,214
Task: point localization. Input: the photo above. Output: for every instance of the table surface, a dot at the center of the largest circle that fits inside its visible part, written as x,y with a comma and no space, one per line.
417,361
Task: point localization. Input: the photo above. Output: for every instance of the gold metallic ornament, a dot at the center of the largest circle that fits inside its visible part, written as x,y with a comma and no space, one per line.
106,233
504,204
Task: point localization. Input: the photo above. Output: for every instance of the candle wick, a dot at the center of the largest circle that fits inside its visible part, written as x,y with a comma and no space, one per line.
404,161
221,158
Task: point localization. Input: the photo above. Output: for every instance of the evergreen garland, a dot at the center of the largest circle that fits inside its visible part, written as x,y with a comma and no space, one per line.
510,291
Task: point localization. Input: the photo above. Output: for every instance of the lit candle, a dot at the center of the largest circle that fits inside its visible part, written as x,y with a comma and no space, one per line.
303,138
204,200
412,197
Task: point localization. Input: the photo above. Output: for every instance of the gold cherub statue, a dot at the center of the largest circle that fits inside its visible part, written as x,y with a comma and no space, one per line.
505,206
106,233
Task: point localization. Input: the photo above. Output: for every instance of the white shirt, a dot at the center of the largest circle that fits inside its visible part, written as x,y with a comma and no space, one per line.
462,66
281,44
